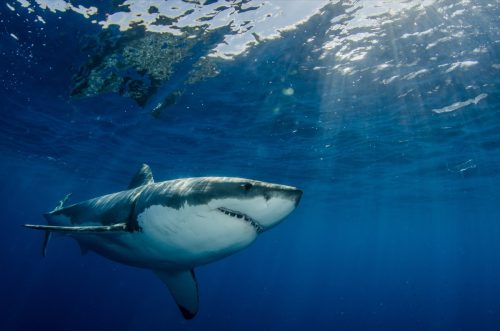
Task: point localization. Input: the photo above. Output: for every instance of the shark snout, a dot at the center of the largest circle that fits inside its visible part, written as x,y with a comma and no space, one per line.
297,195
292,193
284,199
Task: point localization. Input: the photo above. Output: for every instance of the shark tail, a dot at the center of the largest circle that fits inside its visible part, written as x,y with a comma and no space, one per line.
46,240
48,232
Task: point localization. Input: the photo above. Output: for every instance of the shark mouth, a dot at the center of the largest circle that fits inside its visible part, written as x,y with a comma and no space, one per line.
243,217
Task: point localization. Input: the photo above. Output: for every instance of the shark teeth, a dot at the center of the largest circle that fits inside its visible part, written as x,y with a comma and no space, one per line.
243,217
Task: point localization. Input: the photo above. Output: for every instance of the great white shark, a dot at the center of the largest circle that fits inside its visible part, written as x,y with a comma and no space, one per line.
171,227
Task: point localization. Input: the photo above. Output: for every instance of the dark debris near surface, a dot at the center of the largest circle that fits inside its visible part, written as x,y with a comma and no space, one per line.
136,63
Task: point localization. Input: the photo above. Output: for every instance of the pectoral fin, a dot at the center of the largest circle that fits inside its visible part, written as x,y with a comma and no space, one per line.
79,229
184,288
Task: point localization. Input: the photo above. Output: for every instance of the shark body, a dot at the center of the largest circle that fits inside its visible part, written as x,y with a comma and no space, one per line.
173,226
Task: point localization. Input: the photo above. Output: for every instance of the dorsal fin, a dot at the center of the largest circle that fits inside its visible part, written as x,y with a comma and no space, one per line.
143,176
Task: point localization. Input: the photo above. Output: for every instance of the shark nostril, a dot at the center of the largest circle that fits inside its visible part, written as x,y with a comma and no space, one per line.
246,186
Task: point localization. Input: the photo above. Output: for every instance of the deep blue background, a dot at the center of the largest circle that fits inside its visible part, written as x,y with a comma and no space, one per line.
399,225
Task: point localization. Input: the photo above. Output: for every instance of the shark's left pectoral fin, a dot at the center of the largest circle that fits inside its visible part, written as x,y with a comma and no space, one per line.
73,229
117,227
184,288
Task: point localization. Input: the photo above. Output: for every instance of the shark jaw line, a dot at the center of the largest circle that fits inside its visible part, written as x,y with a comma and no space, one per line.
236,214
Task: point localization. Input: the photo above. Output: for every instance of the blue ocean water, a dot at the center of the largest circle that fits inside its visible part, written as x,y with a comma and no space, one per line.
386,114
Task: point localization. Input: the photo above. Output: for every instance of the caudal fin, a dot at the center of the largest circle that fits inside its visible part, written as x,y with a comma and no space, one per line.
45,243
48,234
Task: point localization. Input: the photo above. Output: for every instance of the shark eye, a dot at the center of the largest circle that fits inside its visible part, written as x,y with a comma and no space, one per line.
246,186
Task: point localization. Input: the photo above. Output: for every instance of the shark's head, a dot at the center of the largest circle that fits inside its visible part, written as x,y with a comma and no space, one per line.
207,218
261,204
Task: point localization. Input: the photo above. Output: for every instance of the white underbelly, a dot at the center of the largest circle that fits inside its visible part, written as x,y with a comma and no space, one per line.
175,238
